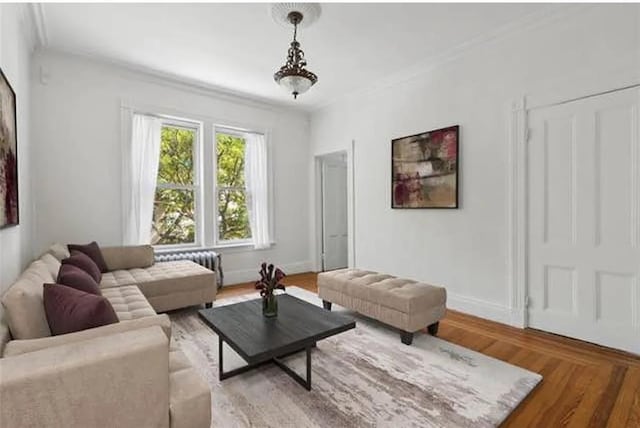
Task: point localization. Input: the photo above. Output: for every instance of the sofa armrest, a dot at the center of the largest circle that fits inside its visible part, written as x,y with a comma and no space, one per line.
128,257
120,380
17,347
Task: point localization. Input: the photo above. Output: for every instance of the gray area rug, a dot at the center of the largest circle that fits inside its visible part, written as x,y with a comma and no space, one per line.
361,378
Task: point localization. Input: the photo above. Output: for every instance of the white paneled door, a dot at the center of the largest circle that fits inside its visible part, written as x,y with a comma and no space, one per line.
334,214
584,219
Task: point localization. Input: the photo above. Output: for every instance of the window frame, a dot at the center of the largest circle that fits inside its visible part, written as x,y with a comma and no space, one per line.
196,187
217,242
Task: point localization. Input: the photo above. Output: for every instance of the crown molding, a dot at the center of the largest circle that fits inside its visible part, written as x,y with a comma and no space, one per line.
38,18
39,21
527,23
154,76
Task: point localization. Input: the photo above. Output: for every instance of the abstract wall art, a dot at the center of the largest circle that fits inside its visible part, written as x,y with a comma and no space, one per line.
424,169
8,155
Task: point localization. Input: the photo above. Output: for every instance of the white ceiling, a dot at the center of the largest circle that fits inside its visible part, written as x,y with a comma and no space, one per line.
238,47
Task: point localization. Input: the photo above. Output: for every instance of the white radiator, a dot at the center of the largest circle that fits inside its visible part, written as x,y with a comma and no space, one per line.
207,258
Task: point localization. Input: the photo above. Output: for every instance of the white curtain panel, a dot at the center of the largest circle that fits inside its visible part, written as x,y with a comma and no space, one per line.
141,173
257,182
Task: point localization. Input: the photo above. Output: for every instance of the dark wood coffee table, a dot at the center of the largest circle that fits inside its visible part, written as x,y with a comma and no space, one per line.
260,340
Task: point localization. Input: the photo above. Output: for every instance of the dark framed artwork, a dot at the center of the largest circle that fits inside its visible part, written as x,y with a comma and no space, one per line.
424,169
8,155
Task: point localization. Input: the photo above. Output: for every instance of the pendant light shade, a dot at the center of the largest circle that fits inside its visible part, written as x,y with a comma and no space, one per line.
293,76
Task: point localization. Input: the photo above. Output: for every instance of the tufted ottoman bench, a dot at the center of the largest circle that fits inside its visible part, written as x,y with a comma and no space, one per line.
402,303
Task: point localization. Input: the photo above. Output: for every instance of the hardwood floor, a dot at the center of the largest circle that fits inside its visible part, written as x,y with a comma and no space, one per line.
584,385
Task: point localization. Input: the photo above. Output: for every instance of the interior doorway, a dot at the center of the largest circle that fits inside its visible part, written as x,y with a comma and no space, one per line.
333,209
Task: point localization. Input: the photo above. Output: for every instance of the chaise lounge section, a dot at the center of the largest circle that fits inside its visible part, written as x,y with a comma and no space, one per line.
166,285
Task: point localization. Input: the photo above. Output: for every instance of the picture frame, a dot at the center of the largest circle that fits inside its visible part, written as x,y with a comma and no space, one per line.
425,170
9,197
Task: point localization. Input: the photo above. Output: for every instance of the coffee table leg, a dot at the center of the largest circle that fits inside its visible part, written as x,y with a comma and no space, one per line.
309,367
304,382
222,375
220,369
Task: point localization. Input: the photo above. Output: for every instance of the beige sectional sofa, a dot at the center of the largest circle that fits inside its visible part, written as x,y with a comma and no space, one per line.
127,374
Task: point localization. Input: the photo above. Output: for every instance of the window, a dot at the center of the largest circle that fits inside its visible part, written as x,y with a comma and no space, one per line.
220,201
177,190
233,226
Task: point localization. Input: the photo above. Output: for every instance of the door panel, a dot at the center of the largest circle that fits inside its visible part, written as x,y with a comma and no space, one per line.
613,177
334,207
583,264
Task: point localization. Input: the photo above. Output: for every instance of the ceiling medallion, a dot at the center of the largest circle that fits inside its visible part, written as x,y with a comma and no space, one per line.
293,76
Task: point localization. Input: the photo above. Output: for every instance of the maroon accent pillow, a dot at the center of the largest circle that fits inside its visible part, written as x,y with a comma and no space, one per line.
83,261
93,251
70,310
74,277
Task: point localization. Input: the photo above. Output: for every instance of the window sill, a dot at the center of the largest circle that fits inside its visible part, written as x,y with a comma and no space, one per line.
160,249
244,247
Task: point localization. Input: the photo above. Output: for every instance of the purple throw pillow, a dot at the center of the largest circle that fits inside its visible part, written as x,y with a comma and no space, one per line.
70,310
83,261
74,277
93,251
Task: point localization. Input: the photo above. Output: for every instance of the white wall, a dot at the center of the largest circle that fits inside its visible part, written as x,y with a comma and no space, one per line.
592,48
16,45
77,155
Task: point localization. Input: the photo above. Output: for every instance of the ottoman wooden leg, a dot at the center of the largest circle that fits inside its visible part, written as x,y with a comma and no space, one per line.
326,304
433,329
406,337
208,305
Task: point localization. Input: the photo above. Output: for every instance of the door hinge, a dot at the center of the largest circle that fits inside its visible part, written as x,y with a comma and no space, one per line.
527,135
527,301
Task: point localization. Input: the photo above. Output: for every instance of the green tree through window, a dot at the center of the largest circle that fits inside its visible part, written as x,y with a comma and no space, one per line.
233,217
174,207
174,210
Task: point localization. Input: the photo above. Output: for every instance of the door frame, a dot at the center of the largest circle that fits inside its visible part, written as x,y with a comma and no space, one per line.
518,187
318,207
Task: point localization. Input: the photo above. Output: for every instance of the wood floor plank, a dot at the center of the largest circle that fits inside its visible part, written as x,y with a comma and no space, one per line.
626,411
569,388
599,379
602,412
583,384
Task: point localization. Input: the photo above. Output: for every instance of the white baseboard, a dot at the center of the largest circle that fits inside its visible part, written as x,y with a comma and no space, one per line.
482,309
518,318
248,275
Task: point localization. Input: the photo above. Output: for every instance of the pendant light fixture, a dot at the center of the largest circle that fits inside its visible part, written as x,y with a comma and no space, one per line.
293,76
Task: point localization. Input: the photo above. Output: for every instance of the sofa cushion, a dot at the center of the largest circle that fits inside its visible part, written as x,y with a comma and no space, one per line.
163,278
59,251
128,257
93,251
189,394
85,263
128,302
5,337
52,263
118,381
70,310
17,347
74,277
24,308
